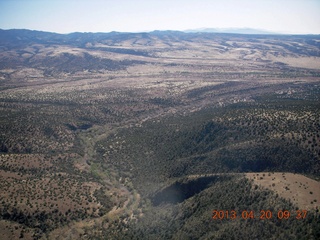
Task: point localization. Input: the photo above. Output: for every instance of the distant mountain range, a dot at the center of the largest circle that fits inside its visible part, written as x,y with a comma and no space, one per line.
24,37
231,30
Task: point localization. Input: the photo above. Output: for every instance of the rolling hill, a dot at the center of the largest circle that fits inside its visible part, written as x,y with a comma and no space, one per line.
159,135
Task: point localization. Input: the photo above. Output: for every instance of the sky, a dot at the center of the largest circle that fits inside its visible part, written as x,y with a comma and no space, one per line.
66,16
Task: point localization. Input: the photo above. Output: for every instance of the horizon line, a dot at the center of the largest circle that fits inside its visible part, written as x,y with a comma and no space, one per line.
195,30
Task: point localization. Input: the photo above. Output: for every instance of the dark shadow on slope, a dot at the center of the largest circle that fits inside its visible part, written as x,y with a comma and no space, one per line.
182,190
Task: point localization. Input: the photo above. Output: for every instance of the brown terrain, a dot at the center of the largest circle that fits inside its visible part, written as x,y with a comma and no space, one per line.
70,166
302,191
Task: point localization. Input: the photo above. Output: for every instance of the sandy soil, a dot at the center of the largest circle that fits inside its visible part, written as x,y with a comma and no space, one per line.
302,191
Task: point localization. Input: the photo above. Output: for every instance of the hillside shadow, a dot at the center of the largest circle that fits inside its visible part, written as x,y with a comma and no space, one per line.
182,190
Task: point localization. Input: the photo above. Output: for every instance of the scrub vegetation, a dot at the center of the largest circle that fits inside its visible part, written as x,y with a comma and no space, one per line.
145,135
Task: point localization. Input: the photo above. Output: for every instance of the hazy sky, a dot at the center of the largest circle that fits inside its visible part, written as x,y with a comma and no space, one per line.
65,16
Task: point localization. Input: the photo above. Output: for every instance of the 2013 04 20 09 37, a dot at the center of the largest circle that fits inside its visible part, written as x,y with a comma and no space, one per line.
262,214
